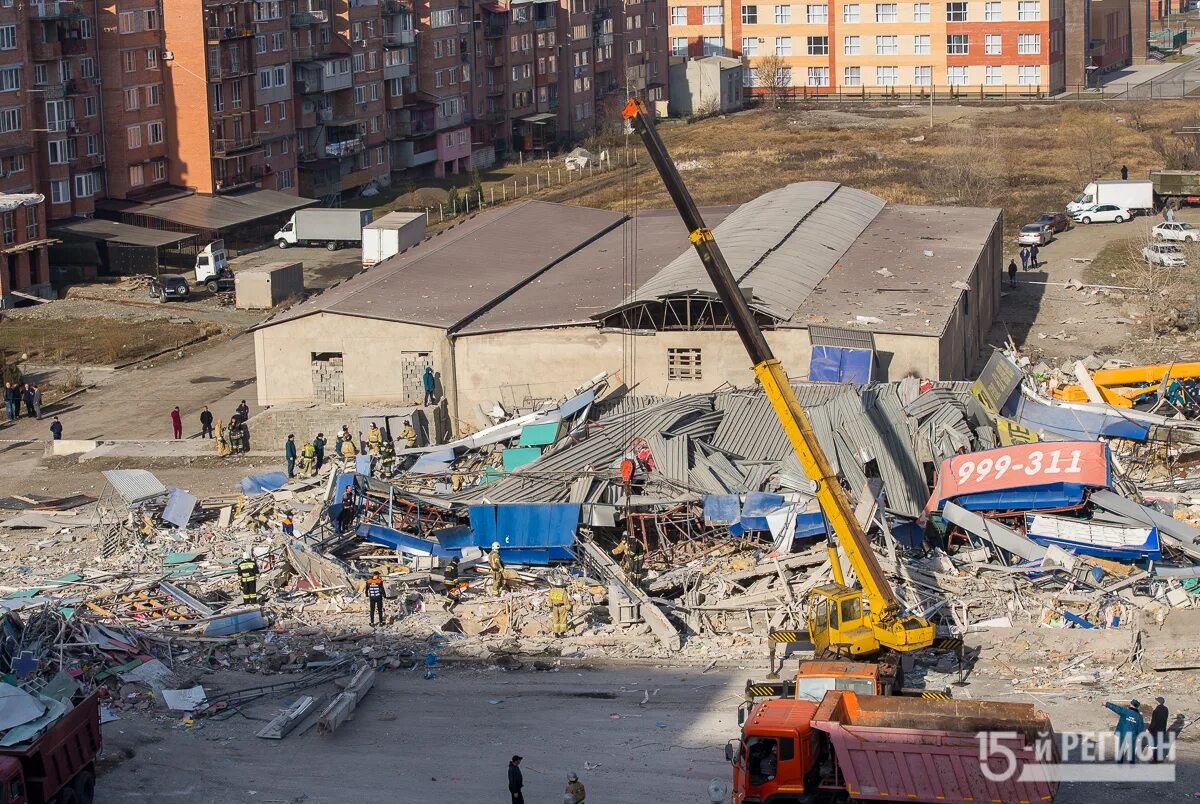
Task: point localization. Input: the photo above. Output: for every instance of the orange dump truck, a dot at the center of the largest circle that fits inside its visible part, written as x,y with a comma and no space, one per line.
882,748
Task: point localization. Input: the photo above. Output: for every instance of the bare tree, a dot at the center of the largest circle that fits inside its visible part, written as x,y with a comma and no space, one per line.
1161,288
772,78
972,174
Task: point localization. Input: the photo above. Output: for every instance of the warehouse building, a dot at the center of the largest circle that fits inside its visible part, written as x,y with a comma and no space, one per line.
527,302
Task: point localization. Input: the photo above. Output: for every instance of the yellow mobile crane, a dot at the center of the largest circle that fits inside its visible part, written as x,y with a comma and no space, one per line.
837,621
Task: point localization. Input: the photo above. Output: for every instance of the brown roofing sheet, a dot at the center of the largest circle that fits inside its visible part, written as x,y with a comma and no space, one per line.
220,212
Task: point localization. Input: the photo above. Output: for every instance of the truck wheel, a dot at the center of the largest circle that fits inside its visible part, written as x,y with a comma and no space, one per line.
67,796
213,287
85,786
332,245
281,243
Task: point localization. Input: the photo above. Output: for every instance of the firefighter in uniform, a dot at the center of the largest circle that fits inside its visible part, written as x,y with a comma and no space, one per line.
348,448
560,607
387,458
496,566
454,584
374,440
631,559
409,435
248,576
375,596
308,460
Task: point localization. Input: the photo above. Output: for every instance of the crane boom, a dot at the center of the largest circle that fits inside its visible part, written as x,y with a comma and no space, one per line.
890,629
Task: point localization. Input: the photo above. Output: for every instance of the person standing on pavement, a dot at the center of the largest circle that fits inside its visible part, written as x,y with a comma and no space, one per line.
575,791
1124,173
289,453
515,781
27,397
243,411
1024,258
1012,273
206,423
177,423
1033,256
56,429
429,383
11,404
1129,726
1158,728
37,402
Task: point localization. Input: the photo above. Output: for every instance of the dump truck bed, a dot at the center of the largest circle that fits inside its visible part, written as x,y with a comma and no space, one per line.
68,746
890,748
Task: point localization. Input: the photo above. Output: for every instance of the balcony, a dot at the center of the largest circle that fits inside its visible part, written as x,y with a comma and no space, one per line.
394,101
227,70
219,33
544,25
73,47
395,7
302,19
405,157
495,90
58,91
338,150
45,51
315,51
603,39
491,31
55,9
249,176
401,38
226,146
391,71
65,126
312,82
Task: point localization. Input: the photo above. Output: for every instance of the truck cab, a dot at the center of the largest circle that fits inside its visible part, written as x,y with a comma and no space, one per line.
773,760
813,679
212,267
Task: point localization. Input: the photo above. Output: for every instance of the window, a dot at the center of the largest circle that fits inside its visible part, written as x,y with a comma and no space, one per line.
749,45
922,76
281,76
39,73
713,15
921,44
885,12
683,364
1029,43
957,44
991,44
10,79
818,45
678,15
260,44
991,12
285,179
87,67
64,71
151,19
89,106
154,131
10,228
16,163
1029,75
442,18
783,46
277,41
750,77
60,191
360,62
852,76
851,12
678,46
137,176
713,45
887,76
886,45
956,76
920,12
86,185
282,111
10,119
31,233
993,76
151,59
956,12
133,137
783,15
127,22
749,15
817,15
160,170
154,94
1029,10
851,45
8,37
57,151
85,28
218,98
818,76
92,144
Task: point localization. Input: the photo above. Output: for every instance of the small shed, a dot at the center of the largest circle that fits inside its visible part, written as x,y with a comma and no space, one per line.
265,286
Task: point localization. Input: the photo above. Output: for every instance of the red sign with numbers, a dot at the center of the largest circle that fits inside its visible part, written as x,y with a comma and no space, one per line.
1083,463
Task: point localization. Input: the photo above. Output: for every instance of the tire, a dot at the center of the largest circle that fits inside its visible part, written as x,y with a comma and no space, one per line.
1085,221
1189,239
213,287
67,795
1118,219
332,245
281,243
85,786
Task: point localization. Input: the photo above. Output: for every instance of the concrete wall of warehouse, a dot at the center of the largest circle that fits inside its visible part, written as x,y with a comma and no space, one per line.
968,326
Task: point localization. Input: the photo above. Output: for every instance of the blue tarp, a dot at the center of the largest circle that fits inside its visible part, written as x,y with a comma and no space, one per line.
728,509
403,542
722,509
1030,498
362,465
257,484
1080,425
756,507
840,364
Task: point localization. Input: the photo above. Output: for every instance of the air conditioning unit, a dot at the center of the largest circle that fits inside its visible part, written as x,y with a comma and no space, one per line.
168,55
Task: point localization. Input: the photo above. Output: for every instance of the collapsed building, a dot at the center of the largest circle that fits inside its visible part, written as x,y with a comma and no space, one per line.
522,304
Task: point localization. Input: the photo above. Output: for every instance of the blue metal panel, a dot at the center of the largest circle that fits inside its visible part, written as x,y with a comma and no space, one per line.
404,542
178,510
576,404
809,525
756,508
1031,498
722,509
1082,425
841,364
432,463
257,484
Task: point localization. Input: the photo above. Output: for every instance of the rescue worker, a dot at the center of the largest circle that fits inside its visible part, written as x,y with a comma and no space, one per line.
308,460
287,524
375,596
235,436
409,435
1129,726
348,448
222,439
574,792
346,518
248,576
374,440
631,559
454,585
560,607
319,446
387,458
496,566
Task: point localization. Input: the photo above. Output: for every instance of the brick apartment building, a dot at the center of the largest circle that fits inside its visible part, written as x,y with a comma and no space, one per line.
1035,46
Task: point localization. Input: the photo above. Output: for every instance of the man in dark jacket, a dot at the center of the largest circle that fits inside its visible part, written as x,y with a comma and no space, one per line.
1158,728
429,383
289,453
12,401
206,420
27,397
515,782
56,429
319,445
243,411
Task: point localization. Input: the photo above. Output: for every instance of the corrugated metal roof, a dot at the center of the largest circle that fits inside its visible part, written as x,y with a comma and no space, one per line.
134,485
220,212
111,231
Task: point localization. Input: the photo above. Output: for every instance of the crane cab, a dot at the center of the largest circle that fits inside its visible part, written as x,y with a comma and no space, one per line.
837,624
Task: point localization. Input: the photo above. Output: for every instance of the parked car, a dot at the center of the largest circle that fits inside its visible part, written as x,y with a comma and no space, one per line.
1167,254
1057,221
169,288
1183,232
1035,234
1103,213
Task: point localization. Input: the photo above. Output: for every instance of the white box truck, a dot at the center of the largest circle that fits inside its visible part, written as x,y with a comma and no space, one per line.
390,235
332,228
1135,196
212,268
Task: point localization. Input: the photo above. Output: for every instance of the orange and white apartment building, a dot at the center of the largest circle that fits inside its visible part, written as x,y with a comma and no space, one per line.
880,47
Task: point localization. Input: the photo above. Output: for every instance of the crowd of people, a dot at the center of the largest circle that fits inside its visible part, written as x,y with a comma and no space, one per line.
18,393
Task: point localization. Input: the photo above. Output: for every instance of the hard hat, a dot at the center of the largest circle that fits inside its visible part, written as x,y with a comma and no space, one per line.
495,545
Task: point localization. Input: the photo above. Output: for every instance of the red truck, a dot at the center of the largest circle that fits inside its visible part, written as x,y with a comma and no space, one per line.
59,767
882,748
